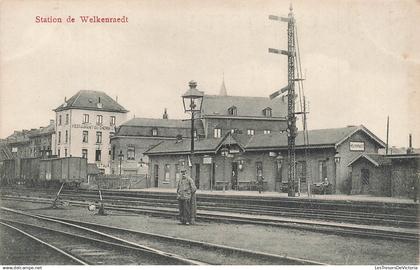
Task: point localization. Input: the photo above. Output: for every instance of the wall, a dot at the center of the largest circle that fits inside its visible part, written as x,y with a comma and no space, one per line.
405,172
141,144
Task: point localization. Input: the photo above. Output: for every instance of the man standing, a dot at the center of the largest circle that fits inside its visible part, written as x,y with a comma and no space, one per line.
185,189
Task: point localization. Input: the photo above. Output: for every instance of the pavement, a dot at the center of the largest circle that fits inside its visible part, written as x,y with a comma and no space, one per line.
303,196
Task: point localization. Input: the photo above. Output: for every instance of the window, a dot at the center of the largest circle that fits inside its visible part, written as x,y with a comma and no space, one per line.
67,119
65,152
267,131
154,132
167,172
195,133
177,173
58,152
113,152
98,136
85,118
130,153
301,171
267,112
322,170
99,119
84,153
59,137
365,176
67,136
217,133
112,122
232,110
59,120
98,155
250,132
85,137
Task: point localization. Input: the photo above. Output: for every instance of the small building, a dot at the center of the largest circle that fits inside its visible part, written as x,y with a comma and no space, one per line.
84,124
385,175
234,161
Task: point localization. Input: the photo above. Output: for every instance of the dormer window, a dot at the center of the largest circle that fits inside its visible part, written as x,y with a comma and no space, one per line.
267,112
154,132
232,110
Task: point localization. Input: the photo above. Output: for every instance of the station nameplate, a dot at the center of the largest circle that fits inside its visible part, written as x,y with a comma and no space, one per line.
357,146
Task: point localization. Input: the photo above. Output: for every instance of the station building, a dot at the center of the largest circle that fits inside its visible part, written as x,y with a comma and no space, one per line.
84,124
233,161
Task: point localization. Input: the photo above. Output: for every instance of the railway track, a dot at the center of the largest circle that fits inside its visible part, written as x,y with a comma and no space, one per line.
317,226
92,243
397,215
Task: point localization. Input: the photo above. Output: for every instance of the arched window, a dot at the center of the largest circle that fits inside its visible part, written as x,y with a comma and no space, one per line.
232,110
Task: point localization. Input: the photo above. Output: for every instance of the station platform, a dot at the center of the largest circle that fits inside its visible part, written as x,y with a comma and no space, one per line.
270,194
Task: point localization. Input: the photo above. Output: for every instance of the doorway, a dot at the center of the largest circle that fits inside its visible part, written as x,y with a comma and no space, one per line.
197,175
156,175
234,178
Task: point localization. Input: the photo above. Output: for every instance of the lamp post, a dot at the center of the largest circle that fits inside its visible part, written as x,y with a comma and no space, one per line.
120,157
192,100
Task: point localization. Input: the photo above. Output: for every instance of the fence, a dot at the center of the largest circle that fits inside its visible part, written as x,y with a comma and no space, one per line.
137,181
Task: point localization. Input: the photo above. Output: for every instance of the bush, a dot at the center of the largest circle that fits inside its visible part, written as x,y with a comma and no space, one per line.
345,186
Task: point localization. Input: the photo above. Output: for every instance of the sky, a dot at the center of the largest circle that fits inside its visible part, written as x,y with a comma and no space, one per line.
361,59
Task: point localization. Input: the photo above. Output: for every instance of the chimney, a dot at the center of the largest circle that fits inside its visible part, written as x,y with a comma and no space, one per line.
116,98
99,105
65,99
52,122
410,145
165,114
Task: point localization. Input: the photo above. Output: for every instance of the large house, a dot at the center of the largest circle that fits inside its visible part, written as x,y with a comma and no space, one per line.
84,124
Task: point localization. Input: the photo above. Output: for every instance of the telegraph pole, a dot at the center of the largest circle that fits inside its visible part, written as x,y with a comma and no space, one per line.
290,88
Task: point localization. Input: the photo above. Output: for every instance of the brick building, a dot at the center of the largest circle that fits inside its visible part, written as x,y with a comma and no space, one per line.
385,175
242,115
233,161
33,143
84,124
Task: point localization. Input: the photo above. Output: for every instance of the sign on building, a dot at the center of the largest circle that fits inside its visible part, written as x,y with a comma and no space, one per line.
357,146
207,160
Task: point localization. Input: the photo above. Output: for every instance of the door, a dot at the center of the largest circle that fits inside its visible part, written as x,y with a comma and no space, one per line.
156,175
213,175
365,181
234,178
197,175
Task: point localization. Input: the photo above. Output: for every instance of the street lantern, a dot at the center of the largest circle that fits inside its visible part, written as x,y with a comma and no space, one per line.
120,157
337,158
192,100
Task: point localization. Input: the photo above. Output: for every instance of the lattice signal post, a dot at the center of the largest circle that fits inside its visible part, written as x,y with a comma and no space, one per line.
290,88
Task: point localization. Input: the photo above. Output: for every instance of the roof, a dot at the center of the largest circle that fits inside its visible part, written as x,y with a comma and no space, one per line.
89,100
157,122
184,146
375,159
214,105
166,127
320,138
43,130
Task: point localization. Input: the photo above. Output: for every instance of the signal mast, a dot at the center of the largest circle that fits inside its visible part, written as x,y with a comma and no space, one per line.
291,96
